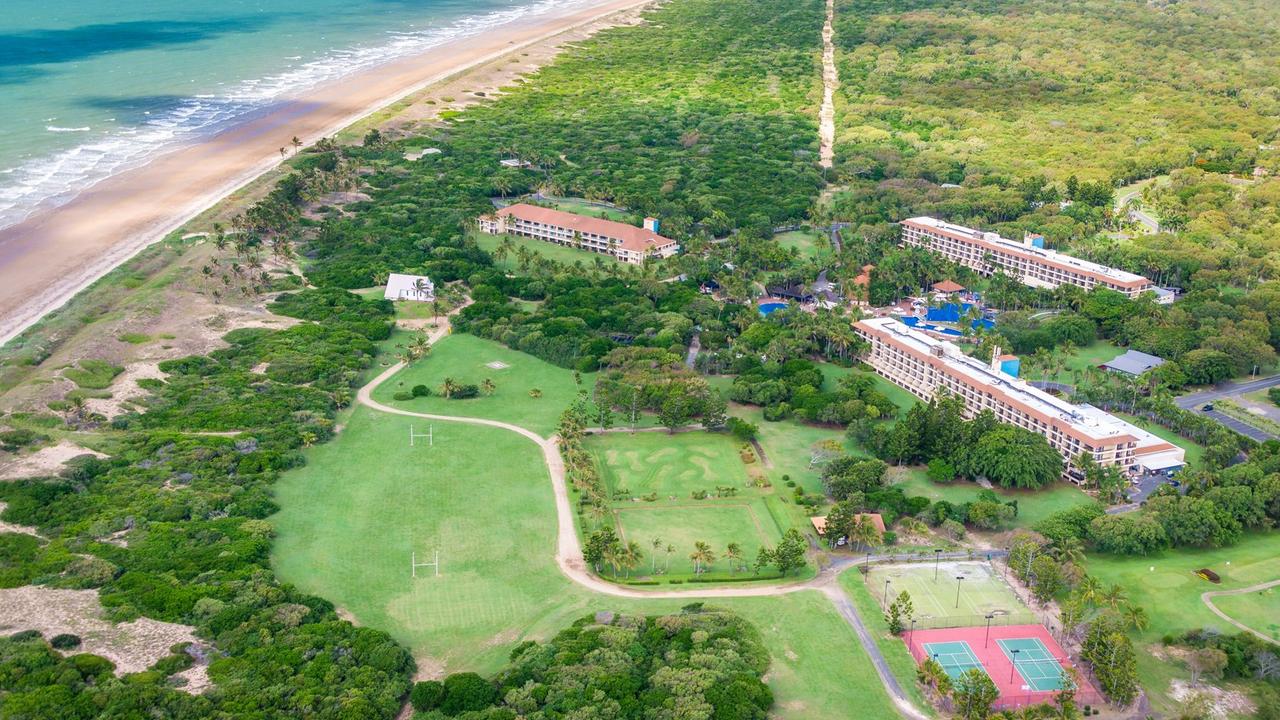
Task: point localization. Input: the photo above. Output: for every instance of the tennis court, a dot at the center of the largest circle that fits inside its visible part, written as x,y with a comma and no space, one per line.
1033,662
955,657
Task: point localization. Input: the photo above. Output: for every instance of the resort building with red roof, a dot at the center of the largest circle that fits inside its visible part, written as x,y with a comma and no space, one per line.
1028,261
627,243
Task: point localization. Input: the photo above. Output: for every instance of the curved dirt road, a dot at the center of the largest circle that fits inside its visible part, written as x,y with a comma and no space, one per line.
1207,599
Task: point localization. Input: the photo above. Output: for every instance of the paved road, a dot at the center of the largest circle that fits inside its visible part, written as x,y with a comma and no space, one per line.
1225,390
1207,599
1241,427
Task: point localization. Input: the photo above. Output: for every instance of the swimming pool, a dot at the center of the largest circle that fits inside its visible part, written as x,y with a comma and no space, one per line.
767,308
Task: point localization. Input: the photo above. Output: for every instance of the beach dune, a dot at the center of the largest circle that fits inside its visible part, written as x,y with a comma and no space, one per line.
57,252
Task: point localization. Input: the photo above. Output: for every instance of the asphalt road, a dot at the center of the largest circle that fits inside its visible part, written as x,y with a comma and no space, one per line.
1220,391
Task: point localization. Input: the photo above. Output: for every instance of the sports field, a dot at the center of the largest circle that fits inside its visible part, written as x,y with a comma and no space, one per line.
945,600
364,501
808,243
652,477
1024,661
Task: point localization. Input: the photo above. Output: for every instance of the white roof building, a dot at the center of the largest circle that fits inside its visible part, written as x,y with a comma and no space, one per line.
410,287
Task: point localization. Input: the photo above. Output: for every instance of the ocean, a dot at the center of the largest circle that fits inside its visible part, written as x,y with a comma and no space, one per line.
88,88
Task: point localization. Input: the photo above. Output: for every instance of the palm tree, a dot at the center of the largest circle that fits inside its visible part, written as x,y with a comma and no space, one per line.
1069,549
487,386
1114,597
667,566
1090,590
733,553
448,387
656,543
701,555
296,143
631,556
1135,616
864,533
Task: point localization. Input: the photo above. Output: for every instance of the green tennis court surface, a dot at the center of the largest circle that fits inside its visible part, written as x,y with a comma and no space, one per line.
954,657
1034,662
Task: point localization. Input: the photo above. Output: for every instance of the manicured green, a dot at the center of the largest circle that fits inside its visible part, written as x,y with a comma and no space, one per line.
465,358
1074,366
1033,505
747,523
1167,587
900,397
671,465
1259,610
539,248
809,244
581,206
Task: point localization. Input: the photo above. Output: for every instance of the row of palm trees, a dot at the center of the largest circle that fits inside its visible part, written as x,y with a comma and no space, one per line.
629,555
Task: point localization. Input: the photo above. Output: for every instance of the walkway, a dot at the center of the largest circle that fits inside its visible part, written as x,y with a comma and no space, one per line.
1207,599
572,565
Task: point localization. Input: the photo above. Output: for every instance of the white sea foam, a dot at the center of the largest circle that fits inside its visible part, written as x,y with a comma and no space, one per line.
57,178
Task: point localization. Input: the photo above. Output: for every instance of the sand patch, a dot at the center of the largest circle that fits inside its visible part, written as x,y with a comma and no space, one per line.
44,462
6,527
1222,703
132,646
125,388
497,365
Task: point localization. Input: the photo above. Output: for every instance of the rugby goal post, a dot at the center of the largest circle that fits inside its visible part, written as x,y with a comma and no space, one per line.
414,564
428,436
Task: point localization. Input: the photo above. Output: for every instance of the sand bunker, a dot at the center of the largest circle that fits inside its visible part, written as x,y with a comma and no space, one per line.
497,365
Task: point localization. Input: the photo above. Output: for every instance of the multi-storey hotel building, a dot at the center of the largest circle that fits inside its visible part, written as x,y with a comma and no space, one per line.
925,365
628,243
1028,261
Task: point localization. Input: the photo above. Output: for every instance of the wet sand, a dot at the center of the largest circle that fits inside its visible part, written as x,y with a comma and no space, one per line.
54,254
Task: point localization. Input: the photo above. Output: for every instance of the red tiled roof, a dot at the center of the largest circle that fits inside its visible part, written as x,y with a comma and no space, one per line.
629,237
820,522
948,286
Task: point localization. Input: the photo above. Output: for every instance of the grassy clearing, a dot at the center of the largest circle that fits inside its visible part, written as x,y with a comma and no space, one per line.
1166,585
895,652
980,593
581,206
1078,362
672,466
747,523
808,243
1033,505
556,253
92,374
1259,610
466,359
351,517
1195,451
831,375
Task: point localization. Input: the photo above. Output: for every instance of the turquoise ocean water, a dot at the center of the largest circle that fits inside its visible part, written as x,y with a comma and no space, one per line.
89,87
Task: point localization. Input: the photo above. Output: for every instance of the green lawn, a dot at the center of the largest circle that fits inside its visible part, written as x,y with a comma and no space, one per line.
895,652
746,522
1259,610
365,500
1195,451
583,207
557,253
670,465
1033,505
831,375
808,243
1075,364
1166,585
466,359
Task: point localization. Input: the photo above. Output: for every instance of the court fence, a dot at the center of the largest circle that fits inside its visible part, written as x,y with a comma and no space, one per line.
957,621
1085,695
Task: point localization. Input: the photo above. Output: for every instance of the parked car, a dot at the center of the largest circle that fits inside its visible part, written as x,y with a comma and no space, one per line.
1208,407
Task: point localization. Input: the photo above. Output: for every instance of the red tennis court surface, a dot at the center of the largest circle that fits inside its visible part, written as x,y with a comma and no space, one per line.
1016,690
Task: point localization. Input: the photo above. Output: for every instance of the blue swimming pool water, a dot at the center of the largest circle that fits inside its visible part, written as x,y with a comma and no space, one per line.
767,308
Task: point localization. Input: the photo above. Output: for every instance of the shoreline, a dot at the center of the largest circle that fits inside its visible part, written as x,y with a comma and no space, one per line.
52,256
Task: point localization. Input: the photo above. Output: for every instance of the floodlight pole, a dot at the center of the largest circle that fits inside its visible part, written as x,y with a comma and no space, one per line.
986,638
884,605
1014,666
959,579
937,558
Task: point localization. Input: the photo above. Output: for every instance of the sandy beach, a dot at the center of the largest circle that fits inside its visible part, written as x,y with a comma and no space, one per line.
47,259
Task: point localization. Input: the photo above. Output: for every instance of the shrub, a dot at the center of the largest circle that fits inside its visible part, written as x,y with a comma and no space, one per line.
427,695
402,396
890,537
464,692
65,641
421,391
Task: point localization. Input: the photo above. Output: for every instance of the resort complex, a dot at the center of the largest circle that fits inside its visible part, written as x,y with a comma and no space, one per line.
1029,260
924,365
627,243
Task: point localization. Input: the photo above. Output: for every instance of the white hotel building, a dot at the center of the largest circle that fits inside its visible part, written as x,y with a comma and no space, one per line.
627,243
1031,264
924,365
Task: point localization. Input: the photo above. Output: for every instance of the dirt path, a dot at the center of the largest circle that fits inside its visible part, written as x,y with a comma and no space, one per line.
830,81
1207,599
572,565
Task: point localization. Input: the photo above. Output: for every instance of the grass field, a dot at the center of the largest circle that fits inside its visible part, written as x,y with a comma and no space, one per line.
350,517
1259,610
1167,587
673,467
1195,451
1079,360
1033,505
831,375
466,359
808,243
557,253
895,652
980,593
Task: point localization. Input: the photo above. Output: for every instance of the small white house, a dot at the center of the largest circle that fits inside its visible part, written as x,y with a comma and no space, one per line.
410,287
